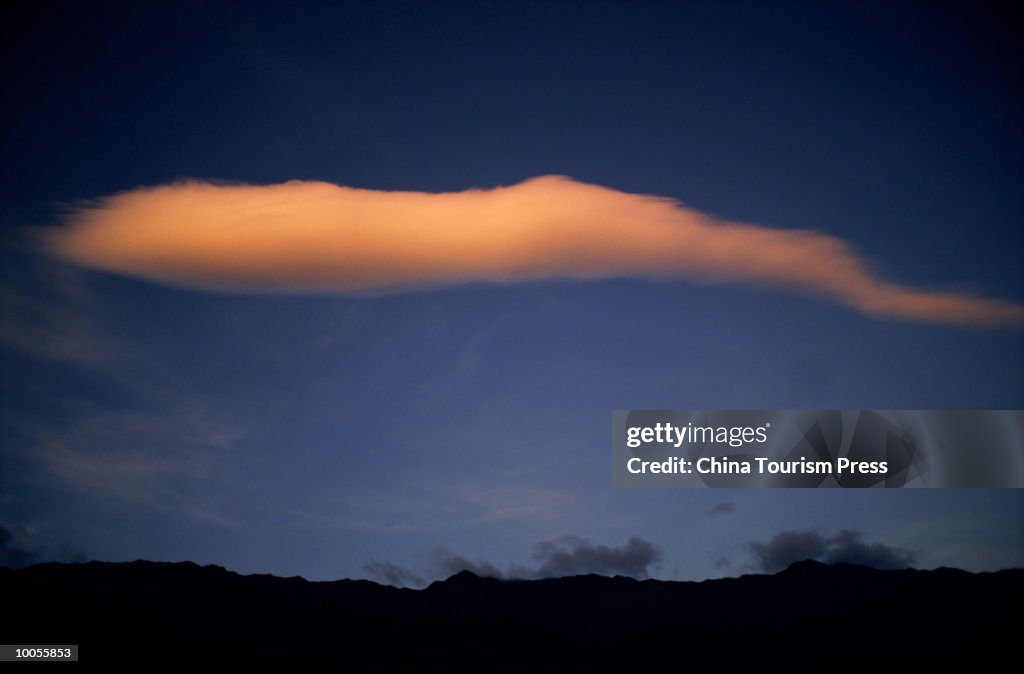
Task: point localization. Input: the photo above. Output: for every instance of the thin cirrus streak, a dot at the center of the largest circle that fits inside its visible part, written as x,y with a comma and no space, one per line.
317,237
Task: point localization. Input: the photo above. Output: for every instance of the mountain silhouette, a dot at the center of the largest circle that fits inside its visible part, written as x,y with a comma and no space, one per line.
810,615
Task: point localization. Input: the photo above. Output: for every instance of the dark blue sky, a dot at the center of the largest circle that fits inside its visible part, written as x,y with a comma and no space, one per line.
307,435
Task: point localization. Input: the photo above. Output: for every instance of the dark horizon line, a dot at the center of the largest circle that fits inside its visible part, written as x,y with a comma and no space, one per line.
466,575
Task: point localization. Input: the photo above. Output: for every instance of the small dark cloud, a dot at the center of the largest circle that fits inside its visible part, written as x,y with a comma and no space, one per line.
572,556
787,547
722,563
15,553
17,549
554,558
392,574
448,563
847,547
70,555
723,508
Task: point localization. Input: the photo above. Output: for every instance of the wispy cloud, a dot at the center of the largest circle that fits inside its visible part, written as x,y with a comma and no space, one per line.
391,574
50,313
496,503
723,508
151,452
149,459
318,237
448,563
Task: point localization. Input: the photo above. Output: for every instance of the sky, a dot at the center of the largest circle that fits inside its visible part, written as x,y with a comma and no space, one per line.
352,289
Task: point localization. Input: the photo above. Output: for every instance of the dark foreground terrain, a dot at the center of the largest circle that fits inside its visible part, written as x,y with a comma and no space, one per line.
810,616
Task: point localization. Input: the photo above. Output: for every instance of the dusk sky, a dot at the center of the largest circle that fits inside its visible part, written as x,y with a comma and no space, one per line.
736,206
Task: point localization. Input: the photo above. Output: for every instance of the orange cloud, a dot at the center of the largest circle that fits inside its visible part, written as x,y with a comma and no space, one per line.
317,237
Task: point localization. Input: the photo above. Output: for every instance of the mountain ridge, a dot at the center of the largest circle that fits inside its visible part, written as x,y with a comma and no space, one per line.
802,565
126,612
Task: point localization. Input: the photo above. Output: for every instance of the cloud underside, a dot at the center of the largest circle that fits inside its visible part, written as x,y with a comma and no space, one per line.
304,237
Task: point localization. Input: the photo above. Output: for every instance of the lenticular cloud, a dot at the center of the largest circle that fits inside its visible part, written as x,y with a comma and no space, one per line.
305,237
